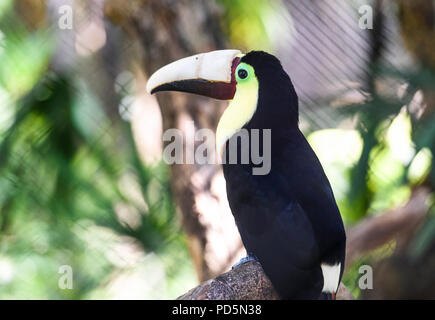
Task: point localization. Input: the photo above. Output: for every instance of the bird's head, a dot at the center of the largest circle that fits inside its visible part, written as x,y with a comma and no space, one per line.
261,93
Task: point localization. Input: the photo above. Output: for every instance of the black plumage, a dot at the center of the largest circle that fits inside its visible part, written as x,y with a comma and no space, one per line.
288,218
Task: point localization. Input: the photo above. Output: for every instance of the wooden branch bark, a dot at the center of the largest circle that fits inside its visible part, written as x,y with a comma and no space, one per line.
248,281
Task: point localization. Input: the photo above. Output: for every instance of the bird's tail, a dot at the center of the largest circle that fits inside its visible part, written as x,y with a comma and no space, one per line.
327,296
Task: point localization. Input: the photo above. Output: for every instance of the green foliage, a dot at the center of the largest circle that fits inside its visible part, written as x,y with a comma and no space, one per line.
252,25
73,189
376,166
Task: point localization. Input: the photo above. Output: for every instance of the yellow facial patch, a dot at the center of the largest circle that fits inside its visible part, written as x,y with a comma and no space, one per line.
241,108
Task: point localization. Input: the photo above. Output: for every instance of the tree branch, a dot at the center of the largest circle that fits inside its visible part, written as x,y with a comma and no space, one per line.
246,282
397,224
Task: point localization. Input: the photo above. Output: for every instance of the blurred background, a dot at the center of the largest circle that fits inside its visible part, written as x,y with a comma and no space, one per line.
82,181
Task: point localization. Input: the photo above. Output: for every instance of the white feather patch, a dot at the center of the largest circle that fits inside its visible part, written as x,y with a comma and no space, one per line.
331,277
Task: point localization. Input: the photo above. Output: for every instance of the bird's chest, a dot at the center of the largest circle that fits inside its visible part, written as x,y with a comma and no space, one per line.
254,200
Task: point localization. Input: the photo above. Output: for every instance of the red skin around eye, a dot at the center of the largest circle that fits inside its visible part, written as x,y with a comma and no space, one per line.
234,65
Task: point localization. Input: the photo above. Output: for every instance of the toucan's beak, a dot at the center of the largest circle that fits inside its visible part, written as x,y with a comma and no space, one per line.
209,74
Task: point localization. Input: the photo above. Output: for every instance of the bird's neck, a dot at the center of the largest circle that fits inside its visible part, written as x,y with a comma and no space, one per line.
238,113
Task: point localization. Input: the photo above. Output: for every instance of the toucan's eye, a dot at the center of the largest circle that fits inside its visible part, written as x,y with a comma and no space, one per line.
242,73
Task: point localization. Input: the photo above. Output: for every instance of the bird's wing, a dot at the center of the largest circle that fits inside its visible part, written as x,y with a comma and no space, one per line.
278,232
308,184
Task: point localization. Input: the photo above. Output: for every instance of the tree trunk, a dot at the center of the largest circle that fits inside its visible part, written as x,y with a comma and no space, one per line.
168,32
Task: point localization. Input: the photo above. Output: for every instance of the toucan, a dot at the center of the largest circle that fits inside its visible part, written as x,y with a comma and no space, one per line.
288,219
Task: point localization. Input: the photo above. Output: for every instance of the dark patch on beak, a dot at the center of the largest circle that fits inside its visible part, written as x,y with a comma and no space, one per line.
213,89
